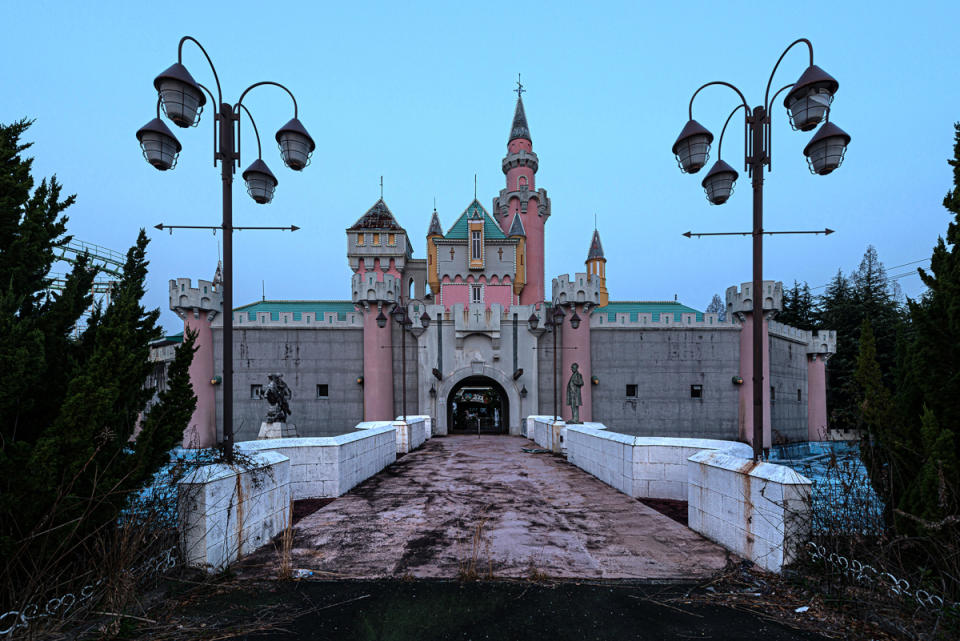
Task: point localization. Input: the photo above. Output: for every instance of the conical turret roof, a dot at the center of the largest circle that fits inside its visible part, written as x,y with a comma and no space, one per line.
435,228
596,249
520,128
516,229
377,217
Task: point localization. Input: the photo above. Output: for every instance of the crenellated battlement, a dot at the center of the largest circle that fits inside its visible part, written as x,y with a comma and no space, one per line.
243,319
368,289
817,342
205,297
666,320
581,289
740,301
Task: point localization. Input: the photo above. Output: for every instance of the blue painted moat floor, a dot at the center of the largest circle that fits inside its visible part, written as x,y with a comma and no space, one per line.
844,501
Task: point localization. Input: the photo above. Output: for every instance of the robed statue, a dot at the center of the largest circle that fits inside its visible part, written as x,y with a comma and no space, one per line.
277,394
573,393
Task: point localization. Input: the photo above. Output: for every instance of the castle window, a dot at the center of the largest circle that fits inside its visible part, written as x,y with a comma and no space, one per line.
323,391
696,391
773,393
799,395
376,239
631,391
256,391
391,239
477,294
475,235
360,239
522,182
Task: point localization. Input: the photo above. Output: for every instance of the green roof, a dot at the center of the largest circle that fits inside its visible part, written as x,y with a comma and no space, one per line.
654,308
458,231
317,307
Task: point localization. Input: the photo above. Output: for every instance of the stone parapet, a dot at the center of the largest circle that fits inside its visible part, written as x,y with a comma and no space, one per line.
368,289
581,289
205,298
740,300
688,320
521,158
287,320
817,342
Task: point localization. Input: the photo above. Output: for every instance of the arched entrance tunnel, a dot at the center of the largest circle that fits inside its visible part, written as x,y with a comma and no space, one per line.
478,404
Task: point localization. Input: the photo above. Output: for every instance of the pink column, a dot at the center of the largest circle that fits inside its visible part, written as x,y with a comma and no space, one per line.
576,349
817,397
746,389
202,430
377,368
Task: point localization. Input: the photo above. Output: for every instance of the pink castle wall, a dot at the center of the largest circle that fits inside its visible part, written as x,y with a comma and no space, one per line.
377,368
202,430
746,390
816,397
576,349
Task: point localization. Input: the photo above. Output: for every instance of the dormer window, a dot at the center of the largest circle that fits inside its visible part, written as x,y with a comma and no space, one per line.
476,246
376,239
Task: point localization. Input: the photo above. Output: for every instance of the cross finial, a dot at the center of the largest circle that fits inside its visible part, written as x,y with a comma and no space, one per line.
381,187
519,88
474,186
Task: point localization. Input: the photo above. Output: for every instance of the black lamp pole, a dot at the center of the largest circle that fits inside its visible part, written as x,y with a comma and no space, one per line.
400,311
808,103
182,99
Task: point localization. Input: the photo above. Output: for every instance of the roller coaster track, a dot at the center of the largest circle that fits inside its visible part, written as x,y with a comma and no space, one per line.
106,259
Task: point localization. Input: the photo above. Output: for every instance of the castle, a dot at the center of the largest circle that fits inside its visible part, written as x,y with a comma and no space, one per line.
481,344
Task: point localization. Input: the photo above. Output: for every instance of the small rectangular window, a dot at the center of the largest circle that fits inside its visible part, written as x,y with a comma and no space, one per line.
773,393
631,391
256,391
360,239
376,239
799,395
476,245
391,239
477,294
322,391
696,391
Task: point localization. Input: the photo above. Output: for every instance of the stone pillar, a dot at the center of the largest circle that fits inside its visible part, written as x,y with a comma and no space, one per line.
576,349
740,307
198,306
820,347
377,366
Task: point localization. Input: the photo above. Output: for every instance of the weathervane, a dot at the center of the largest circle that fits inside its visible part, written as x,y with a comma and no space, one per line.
519,88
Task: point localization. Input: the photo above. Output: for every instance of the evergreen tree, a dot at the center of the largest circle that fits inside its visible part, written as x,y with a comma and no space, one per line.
798,307
931,370
69,405
837,311
717,307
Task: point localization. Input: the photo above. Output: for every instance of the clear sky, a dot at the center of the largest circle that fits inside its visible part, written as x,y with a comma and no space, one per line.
421,93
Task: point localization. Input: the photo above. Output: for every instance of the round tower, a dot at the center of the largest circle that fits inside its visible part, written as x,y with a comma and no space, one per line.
377,249
578,297
198,306
597,269
521,198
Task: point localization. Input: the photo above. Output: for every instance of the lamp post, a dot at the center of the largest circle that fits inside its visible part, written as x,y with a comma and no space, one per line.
808,103
553,323
182,99
403,320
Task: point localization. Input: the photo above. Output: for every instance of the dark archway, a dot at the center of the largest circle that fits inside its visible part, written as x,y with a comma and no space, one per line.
478,403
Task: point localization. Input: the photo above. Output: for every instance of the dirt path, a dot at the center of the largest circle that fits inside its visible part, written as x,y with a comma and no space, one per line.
463,505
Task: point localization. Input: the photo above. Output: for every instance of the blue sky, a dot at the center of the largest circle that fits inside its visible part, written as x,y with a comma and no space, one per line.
421,93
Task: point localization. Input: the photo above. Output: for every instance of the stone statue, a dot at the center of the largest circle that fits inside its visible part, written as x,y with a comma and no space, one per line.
277,394
573,393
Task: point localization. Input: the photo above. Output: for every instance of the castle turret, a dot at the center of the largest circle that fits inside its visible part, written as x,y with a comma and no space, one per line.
740,308
377,249
198,306
521,197
578,297
434,231
597,268
517,231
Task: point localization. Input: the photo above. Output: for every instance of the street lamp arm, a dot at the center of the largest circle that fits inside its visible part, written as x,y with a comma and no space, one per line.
766,101
207,56
275,84
722,131
717,82
255,132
